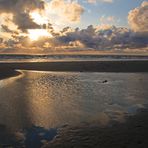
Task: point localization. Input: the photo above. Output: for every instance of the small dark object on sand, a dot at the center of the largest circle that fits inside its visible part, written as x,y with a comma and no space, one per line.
105,81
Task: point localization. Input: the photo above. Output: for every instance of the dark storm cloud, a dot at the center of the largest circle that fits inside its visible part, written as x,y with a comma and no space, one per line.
20,10
89,38
105,39
24,22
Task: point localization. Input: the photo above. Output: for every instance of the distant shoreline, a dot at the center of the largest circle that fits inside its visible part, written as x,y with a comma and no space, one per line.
76,66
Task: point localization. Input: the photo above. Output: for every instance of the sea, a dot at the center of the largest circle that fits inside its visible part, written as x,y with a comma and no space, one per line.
35,105
67,57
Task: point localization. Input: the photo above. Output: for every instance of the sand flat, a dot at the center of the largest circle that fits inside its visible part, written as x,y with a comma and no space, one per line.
87,66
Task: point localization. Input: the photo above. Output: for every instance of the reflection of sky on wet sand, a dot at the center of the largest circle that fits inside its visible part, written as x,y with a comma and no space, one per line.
51,99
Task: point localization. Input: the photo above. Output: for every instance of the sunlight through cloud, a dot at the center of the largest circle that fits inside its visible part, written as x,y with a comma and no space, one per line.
35,34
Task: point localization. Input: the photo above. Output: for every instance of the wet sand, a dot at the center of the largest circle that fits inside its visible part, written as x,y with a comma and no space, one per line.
6,73
132,133
80,66
9,69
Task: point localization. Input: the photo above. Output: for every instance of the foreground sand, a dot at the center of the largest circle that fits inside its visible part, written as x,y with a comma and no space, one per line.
132,133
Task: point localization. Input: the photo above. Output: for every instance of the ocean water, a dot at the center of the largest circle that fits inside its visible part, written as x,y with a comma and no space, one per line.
68,57
39,103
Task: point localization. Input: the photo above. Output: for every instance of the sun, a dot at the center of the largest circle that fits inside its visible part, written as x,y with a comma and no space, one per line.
40,19
36,34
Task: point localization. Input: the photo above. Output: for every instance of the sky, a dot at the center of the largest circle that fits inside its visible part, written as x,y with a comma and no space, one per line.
118,9
56,25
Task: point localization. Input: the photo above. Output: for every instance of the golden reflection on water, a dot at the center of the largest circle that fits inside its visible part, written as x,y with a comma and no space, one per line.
51,99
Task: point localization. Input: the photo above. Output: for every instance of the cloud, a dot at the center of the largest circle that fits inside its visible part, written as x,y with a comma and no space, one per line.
111,39
6,29
96,38
102,37
107,38
68,10
20,12
138,18
1,40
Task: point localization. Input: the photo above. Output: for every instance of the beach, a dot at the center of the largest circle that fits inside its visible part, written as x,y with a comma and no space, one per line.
130,134
94,104
73,74
9,69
